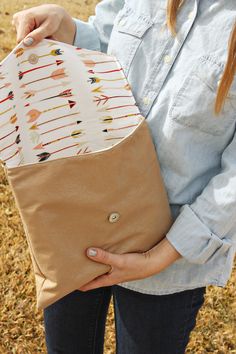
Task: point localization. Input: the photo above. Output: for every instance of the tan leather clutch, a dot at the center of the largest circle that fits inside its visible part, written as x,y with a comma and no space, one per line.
113,198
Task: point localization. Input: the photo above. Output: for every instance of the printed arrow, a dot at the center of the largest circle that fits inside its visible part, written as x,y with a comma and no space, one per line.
9,97
7,110
104,109
62,126
94,80
112,129
5,86
64,94
92,63
110,119
36,126
105,98
13,131
20,51
101,89
46,155
34,114
17,152
22,73
115,138
56,75
74,134
12,120
104,72
107,119
83,151
16,141
32,93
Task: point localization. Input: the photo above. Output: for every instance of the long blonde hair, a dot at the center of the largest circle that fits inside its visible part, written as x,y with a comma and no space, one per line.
230,66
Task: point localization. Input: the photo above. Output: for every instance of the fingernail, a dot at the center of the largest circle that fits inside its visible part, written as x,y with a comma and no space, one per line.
28,41
92,252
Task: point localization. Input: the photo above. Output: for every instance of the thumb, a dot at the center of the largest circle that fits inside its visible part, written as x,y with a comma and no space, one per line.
37,35
105,257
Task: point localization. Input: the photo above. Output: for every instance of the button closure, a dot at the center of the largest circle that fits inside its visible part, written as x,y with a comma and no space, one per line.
114,217
190,15
122,22
167,59
146,100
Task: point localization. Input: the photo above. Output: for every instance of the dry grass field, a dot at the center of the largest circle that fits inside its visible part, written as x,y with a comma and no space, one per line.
21,325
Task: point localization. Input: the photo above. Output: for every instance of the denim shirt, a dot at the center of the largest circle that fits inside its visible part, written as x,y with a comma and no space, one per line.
174,82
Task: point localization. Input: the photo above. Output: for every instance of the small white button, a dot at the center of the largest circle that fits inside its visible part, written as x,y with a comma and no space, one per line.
218,83
114,217
122,22
167,59
190,15
146,100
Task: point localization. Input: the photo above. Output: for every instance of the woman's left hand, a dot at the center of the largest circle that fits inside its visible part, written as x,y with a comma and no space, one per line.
131,266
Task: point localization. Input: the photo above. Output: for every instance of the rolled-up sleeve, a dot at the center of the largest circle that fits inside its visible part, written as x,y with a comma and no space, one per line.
95,33
206,228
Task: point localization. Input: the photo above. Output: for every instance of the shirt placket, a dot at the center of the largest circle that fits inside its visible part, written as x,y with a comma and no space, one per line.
166,60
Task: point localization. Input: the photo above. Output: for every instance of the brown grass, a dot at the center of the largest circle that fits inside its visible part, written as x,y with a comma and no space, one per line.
21,326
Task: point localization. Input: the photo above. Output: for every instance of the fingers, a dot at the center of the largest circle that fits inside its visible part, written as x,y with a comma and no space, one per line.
24,24
37,23
102,256
126,267
45,30
101,281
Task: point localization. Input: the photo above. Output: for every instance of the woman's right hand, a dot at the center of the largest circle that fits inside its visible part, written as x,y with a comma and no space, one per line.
44,21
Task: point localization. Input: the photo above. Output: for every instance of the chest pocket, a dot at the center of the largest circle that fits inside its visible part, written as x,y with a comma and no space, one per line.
193,105
128,32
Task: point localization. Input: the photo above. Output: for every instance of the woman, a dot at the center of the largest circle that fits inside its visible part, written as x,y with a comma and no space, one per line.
180,59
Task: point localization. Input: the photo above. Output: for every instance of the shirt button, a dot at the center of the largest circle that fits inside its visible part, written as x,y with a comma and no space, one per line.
190,15
122,22
114,217
146,100
167,59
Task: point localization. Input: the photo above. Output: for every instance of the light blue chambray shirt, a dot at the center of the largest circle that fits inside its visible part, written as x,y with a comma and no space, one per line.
174,82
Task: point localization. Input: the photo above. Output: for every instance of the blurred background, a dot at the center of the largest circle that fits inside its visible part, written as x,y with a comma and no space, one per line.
21,325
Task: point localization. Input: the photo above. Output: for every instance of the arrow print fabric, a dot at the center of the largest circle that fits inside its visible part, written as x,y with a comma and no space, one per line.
57,100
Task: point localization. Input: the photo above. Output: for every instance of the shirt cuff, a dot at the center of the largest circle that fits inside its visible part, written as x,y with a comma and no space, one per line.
86,36
193,240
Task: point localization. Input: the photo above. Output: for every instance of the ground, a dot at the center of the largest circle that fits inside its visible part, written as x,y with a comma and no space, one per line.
21,325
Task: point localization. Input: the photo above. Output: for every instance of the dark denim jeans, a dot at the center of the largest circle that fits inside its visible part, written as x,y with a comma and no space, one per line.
145,324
